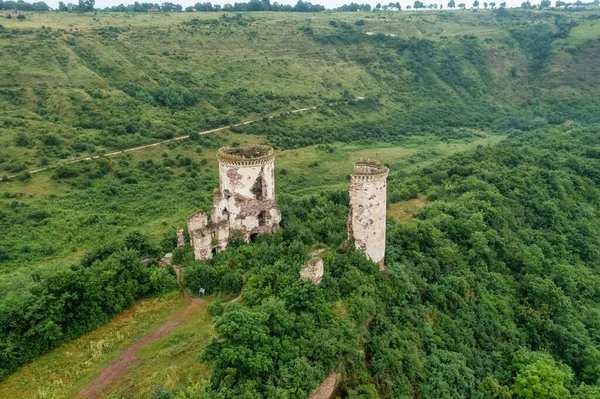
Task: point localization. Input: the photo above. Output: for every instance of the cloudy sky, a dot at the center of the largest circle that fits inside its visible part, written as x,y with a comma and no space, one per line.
326,3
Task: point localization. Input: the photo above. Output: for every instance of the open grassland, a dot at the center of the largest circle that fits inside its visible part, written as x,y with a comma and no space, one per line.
62,372
402,211
84,84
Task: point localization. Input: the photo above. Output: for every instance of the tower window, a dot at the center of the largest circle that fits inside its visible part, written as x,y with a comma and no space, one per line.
257,188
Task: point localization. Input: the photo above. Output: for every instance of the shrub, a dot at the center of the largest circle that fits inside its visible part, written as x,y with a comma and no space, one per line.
65,171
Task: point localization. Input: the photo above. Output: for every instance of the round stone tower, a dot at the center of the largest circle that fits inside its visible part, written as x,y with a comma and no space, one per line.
246,196
366,221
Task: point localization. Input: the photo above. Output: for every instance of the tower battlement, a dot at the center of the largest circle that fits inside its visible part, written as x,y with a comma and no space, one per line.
369,169
246,156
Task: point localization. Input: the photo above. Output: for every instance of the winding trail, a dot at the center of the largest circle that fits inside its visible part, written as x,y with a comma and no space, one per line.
119,369
141,147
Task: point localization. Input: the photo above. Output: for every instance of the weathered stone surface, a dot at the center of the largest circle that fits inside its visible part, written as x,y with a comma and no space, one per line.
366,220
245,200
180,239
327,387
166,260
313,270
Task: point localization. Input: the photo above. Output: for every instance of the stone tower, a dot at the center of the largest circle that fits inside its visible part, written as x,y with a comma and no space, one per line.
366,221
245,200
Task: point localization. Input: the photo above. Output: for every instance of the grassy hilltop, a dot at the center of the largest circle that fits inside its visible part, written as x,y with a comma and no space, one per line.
84,84
489,123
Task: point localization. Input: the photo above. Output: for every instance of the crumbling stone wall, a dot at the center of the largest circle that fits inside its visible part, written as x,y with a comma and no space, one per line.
180,239
245,200
366,220
313,269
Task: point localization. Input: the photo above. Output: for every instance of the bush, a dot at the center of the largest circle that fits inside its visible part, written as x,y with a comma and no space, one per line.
22,140
216,308
232,281
202,276
163,280
65,171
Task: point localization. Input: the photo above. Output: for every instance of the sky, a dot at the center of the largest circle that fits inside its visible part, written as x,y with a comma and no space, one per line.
326,3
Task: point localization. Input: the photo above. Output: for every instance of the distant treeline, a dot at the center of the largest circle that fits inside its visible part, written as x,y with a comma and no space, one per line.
253,5
23,6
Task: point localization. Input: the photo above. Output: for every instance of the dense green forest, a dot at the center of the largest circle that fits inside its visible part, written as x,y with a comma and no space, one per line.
491,119
491,292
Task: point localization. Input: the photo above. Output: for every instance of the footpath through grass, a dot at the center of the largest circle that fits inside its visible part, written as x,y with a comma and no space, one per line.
168,361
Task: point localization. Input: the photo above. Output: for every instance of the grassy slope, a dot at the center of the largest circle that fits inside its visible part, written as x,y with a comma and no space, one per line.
63,73
167,362
62,372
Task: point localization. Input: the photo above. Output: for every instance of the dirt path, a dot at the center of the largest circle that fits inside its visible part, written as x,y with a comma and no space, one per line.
112,154
119,369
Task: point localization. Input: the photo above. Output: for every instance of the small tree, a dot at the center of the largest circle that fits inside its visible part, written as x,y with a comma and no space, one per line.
543,379
485,5
462,6
451,4
418,4
545,4
476,4
493,5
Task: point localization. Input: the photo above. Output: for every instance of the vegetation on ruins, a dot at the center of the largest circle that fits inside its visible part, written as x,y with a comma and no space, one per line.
489,119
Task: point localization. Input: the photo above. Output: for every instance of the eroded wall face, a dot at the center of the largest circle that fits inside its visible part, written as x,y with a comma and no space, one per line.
245,201
247,181
246,198
200,236
366,221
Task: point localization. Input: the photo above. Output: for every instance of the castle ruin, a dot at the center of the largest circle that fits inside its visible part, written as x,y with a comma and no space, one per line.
245,200
366,220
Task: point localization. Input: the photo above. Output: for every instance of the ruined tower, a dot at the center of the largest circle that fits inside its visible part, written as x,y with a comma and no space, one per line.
366,220
245,200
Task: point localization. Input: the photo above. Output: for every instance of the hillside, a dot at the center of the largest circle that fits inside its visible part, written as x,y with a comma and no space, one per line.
489,122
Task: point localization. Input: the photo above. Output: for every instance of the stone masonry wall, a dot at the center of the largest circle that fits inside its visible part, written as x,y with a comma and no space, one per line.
245,200
366,220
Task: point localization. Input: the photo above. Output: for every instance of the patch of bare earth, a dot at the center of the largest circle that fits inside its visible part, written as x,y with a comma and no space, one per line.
325,390
404,210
